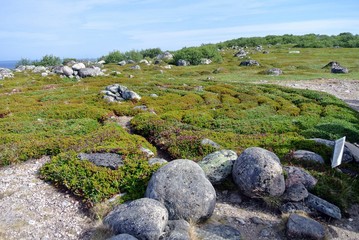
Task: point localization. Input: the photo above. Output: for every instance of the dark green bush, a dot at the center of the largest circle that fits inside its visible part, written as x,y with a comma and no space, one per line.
195,54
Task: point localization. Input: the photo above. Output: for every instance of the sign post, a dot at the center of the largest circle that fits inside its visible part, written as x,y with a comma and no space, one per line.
338,152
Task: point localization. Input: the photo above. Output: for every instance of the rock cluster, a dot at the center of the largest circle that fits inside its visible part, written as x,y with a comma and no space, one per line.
181,191
71,69
274,71
119,93
6,73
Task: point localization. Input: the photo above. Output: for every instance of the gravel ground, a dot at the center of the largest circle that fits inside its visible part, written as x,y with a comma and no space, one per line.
32,209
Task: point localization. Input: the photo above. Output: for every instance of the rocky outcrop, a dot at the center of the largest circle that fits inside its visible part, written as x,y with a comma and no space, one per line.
299,227
143,218
258,173
118,93
6,73
241,53
218,165
218,232
183,188
249,63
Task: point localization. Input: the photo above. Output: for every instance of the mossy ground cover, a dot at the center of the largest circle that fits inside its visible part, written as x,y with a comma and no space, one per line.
62,117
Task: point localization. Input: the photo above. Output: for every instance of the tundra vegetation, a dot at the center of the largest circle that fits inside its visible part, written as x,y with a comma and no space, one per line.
62,117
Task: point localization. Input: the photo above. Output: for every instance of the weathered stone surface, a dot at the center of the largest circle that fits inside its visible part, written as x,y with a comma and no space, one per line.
211,143
78,66
274,72
177,230
218,232
295,192
67,71
110,160
308,156
258,173
249,63
339,69
122,237
183,188
323,206
89,72
182,62
299,227
293,207
218,165
39,69
147,152
6,73
354,150
296,175
143,218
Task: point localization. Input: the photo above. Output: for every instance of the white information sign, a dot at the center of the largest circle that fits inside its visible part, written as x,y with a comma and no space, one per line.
338,152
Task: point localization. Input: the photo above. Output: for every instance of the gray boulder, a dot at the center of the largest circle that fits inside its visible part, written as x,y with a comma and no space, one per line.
136,67
182,62
89,72
183,188
78,66
122,237
249,63
258,173
6,73
143,218
218,165
165,56
110,160
323,206
122,63
274,72
299,227
241,54
295,192
293,207
206,61
218,232
67,71
177,230
339,69
305,155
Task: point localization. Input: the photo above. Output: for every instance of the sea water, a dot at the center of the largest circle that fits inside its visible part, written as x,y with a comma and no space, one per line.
8,64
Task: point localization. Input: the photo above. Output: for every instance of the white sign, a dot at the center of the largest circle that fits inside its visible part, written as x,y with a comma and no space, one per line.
338,152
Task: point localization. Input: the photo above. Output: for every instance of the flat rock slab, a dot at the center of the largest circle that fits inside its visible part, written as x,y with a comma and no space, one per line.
110,160
323,206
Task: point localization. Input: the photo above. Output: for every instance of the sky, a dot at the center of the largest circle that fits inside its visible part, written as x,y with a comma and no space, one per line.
93,28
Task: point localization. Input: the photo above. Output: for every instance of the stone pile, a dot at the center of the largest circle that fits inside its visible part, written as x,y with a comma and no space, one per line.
119,93
71,69
182,191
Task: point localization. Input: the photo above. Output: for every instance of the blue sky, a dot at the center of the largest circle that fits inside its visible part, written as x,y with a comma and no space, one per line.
92,28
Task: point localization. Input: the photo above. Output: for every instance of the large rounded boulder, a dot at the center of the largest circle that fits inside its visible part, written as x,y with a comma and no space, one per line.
143,218
183,188
258,173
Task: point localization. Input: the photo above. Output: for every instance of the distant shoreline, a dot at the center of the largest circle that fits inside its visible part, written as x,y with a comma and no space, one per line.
8,64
